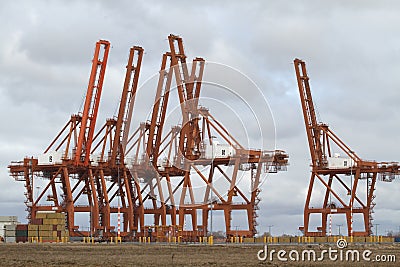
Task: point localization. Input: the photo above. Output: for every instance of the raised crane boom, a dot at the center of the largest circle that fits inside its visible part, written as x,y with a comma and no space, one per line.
189,86
126,105
310,118
92,101
340,175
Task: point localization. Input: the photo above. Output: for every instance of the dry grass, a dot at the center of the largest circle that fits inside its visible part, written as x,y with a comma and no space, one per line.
164,255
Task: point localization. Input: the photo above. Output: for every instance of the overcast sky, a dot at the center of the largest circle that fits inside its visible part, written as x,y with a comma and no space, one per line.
352,51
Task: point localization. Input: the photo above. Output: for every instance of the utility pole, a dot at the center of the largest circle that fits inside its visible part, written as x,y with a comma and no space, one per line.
339,225
119,200
269,229
376,229
211,212
237,230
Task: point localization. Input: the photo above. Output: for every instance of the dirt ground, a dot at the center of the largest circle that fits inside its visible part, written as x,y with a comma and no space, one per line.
78,254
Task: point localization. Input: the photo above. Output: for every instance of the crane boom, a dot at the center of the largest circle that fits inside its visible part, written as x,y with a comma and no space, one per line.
159,110
189,87
92,101
310,118
126,104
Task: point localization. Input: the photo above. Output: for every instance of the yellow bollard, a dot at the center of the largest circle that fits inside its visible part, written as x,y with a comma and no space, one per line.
241,239
179,239
265,239
211,240
174,239
148,239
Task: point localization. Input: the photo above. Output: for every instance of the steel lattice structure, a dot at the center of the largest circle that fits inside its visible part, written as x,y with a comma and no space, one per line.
167,175
339,176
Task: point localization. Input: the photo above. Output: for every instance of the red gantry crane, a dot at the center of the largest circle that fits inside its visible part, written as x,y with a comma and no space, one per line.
178,169
338,171
113,178
67,159
167,175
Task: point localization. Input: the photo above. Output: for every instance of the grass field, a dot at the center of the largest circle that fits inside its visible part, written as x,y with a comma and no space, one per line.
78,254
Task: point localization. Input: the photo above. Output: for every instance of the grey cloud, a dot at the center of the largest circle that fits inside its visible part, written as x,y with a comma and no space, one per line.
351,49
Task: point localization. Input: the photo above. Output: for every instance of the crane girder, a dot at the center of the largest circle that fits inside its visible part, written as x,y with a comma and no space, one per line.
328,167
92,101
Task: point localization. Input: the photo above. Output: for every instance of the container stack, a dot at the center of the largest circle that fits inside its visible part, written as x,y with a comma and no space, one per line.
6,229
9,233
48,227
21,233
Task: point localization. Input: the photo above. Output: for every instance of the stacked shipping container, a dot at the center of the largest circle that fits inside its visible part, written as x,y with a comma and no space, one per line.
48,227
21,233
9,233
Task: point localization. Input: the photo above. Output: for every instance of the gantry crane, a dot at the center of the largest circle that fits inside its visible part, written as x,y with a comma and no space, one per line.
67,158
113,179
169,165
339,171
95,170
